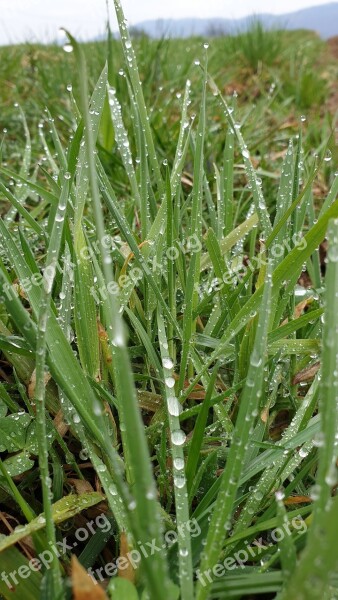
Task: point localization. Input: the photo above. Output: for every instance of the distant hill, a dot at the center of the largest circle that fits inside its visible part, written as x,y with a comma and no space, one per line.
322,19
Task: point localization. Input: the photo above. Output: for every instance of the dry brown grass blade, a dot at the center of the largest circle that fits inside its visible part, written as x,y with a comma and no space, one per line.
83,586
306,374
129,572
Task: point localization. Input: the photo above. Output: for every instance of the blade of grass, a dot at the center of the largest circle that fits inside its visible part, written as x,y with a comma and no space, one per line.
248,407
177,436
144,509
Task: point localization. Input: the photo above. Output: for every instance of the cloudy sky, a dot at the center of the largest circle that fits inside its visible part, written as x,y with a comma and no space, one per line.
31,20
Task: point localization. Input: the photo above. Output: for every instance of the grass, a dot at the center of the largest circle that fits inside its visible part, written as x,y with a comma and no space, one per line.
168,329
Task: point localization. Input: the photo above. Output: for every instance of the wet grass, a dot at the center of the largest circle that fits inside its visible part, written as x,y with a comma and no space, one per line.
168,327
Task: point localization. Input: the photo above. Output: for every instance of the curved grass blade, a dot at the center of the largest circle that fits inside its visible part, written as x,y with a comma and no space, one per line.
145,514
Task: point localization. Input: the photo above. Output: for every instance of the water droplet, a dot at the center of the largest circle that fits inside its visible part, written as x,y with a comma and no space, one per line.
332,253
167,363
170,382
178,437
179,481
174,407
118,339
151,495
68,48
112,490
83,454
279,495
315,492
179,464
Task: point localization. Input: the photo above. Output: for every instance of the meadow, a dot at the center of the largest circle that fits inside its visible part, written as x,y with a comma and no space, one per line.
168,318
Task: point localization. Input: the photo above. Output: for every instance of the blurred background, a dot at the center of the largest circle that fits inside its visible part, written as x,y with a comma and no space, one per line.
39,21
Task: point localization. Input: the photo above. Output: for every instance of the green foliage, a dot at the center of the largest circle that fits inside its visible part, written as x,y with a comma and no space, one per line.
259,46
168,319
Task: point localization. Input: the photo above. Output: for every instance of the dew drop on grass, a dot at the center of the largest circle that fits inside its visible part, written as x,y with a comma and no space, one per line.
303,452
118,340
83,454
76,418
331,476
68,48
279,495
319,440
174,407
151,495
315,492
178,437
41,520
101,468
328,156
167,363
333,253
67,175
227,525
170,382
256,361
97,409
179,463
179,481
112,490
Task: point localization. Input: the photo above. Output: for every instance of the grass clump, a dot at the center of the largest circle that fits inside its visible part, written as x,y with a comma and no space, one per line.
259,46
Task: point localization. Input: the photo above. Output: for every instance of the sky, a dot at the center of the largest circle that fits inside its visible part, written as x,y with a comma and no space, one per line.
40,20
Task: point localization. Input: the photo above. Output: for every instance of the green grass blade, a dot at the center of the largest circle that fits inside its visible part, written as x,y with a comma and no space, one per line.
246,417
